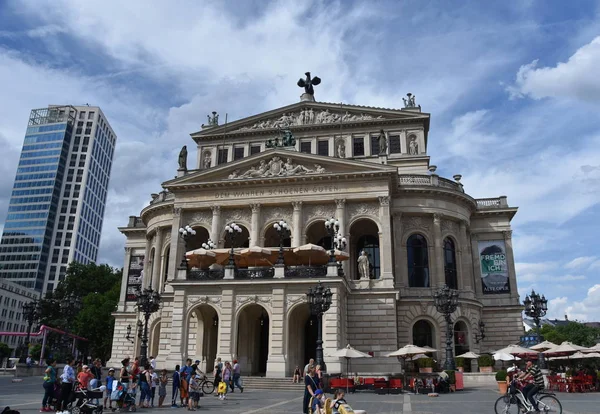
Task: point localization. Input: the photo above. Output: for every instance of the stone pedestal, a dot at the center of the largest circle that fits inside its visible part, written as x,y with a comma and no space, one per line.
229,273
181,172
279,271
307,97
332,269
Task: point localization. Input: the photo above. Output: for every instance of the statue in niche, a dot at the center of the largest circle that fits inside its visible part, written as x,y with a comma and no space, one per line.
364,265
341,149
183,158
413,146
207,160
382,143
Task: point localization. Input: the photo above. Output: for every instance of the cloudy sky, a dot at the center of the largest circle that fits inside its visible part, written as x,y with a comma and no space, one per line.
513,89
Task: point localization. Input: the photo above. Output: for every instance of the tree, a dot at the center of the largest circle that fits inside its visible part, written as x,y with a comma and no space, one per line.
5,352
574,332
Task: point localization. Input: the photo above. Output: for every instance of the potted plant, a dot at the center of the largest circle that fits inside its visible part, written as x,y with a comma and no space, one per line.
501,380
485,362
426,365
451,380
460,364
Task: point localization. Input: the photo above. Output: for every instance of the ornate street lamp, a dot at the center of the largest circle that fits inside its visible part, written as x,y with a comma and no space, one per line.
232,231
186,233
340,244
319,300
332,226
446,302
481,335
148,302
284,231
209,245
31,313
128,336
536,306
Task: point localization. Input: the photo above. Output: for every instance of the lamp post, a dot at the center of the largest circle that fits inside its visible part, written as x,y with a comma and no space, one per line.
319,300
284,231
209,245
446,302
481,335
186,233
536,306
232,231
332,226
148,302
31,313
340,244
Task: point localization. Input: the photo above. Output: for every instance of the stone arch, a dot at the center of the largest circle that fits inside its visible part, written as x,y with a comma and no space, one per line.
154,336
419,260
364,235
243,240
359,217
200,333
462,336
315,233
202,236
270,235
301,336
423,332
252,343
423,233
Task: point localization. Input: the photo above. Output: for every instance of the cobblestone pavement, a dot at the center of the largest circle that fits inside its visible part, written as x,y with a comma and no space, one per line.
26,397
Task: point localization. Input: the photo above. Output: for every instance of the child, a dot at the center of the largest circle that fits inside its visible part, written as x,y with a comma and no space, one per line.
162,387
222,390
317,402
153,384
194,393
109,387
176,385
337,396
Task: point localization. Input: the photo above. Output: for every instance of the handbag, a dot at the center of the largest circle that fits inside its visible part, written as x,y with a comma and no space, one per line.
222,387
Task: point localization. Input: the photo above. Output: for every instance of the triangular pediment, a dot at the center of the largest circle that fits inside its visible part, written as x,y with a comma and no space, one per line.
311,115
278,164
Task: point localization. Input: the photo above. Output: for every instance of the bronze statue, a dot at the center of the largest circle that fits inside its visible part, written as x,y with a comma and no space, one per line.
183,158
214,121
308,83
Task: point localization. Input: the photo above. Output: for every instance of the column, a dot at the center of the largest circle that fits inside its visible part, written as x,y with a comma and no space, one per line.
147,263
156,266
297,224
466,275
385,239
177,247
176,340
340,214
225,349
124,279
397,250
438,277
332,331
215,228
476,264
255,225
276,360
512,273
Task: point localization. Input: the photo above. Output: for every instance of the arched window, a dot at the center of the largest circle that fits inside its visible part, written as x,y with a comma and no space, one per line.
418,261
422,333
370,244
450,263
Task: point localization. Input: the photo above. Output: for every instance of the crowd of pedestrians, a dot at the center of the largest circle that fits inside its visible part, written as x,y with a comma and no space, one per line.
187,382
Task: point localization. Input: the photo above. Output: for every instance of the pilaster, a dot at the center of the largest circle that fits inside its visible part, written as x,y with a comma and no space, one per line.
438,277
340,214
178,321
386,249
297,224
397,249
466,270
512,273
124,279
156,265
254,224
177,248
225,350
332,331
276,362
216,224
147,281
476,264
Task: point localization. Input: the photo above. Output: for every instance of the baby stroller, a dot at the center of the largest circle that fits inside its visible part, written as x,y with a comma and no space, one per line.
124,397
84,401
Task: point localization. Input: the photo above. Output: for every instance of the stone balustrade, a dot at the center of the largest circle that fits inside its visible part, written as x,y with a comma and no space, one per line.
497,202
206,274
255,273
433,180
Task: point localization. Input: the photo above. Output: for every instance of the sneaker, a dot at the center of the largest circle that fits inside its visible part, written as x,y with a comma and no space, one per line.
173,405
242,389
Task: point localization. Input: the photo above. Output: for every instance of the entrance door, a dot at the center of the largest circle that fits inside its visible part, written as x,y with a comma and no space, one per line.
253,340
310,338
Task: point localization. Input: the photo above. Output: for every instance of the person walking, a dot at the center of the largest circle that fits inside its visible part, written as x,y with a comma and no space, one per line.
237,376
162,387
144,381
311,385
227,377
153,384
67,379
176,385
49,383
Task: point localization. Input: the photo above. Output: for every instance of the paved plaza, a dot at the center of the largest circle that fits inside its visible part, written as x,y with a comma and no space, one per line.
26,397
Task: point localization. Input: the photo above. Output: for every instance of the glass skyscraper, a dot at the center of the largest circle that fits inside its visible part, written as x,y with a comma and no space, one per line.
57,205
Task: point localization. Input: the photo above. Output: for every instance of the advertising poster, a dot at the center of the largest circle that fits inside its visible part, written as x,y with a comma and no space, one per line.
135,276
494,267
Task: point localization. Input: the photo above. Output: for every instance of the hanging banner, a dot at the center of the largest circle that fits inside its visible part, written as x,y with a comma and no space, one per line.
494,267
135,275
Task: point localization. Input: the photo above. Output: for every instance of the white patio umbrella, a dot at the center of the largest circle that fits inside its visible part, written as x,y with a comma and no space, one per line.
409,351
592,355
565,348
503,356
517,350
348,352
595,348
468,355
542,346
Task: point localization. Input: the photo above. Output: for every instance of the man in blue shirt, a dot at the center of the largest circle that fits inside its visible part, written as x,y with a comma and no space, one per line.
186,374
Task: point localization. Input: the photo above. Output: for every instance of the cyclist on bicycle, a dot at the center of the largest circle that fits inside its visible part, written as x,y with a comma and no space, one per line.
536,383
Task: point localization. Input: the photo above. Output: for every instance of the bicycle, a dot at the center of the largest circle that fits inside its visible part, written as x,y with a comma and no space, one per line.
514,401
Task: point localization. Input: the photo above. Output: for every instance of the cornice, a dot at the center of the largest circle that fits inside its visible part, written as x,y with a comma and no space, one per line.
439,191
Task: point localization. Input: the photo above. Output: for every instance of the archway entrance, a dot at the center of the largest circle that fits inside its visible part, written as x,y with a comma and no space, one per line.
461,338
154,339
364,235
253,339
203,334
302,337
242,240
317,234
423,333
195,242
272,238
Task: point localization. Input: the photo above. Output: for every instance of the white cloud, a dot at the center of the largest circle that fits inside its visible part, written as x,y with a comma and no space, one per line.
575,79
536,277
580,262
595,265
587,309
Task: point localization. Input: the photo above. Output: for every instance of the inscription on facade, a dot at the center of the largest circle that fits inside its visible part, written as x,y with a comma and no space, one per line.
316,189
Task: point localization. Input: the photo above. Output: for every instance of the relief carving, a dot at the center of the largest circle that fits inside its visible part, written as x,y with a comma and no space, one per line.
309,116
255,207
340,203
449,226
264,300
176,211
297,205
202,216
276,213
363,209
276,167
384,200
415,223
199,300
236,214
507,234
291,300
312,211
216,209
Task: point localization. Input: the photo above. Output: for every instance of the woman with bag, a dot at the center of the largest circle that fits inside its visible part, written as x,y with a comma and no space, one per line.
49,383
227,378
311,383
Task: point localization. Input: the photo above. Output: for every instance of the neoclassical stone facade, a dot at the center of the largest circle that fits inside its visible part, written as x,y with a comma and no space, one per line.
420,231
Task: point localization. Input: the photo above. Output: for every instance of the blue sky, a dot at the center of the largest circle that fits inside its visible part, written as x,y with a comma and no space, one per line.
513,89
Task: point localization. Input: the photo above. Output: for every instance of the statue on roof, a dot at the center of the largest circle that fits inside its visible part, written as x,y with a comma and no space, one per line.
410,102
308,83
183,158
214,120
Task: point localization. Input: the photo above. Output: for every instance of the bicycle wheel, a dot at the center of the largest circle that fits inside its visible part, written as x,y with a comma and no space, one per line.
208,387
503,406
550,404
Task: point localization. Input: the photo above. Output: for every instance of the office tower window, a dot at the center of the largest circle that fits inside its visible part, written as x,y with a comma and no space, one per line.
323,147
358,146
306,147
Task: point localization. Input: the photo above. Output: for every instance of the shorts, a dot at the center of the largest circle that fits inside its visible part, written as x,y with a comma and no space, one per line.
195,396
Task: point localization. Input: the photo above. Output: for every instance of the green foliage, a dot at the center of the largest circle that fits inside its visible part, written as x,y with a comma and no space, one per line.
501,375
98,288
574,332
425,362
460,361
5,350
451,376
35,350
485,361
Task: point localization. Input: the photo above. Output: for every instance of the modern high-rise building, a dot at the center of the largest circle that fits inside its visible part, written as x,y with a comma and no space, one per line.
57,205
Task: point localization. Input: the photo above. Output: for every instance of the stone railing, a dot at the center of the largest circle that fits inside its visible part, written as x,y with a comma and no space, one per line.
162,196
135,221
255,273
302,272
433,180
498,202
206,274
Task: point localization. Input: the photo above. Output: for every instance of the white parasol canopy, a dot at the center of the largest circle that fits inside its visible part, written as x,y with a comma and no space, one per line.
468,355
542,346
517,350
408,351
595,348
348,352
565,348
503,356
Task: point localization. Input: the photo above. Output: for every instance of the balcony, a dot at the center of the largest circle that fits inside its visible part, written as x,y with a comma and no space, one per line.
255,273
302,272
206,274
433,180
490,203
